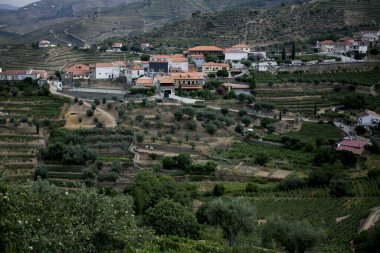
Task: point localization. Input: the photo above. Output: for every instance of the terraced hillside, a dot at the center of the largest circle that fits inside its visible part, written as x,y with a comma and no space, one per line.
93,21
25,57
18,151
110,148
269,26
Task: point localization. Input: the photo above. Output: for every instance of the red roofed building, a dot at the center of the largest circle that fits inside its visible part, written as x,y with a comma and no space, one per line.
204,50
188,81
242,47
326,46
44,44
144,82
213,67
19,75
79,71
167,84
354,146
117,46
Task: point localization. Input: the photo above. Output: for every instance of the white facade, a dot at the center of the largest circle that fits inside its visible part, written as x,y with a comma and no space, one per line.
236,56
184,66
370,119
107,72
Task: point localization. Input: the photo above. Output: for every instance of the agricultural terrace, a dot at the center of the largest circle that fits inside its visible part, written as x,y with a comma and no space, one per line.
310,132
97,156
52,59
24,110
365,78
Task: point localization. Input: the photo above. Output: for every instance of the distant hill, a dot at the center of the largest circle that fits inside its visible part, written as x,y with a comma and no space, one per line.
8,7
269,26
95,20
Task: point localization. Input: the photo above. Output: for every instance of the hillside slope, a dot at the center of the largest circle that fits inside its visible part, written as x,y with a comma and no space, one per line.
268,26
95,20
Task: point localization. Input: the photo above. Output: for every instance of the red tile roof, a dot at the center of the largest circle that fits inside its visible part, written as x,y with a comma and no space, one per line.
187,76
146,81
117,45
166,80
216,64
13,72
205,48
78,67
327,42
104,65
354,146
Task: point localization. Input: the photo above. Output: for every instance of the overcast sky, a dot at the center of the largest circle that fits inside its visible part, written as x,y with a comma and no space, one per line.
17,2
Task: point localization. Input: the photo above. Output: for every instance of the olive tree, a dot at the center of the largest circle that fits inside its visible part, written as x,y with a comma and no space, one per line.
233,216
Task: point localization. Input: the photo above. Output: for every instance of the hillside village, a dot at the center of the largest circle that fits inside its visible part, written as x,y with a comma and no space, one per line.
137,144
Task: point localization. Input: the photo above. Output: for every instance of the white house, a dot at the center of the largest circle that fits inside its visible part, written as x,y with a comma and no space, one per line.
371,36
134,72
326,46
44,44
368,119
235,54
109,70
117,46
265,66
19,75
178,62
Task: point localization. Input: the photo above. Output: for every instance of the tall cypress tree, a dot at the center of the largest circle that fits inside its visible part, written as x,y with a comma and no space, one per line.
283,53
293,51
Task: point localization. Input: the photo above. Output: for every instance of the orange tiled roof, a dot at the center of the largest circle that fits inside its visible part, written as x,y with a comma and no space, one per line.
166,79
117,45
137,67
13,72
215,64
205,48
104,65
234,50
187,76
144,80
327,42
78,67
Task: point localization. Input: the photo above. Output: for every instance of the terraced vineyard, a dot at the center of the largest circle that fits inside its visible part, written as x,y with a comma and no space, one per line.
25,57
18,150
109,145
34,106
367,78
324,213
302,102
249,150
310,132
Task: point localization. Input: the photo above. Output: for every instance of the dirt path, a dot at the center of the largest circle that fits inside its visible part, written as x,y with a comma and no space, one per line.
371,220
112,120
